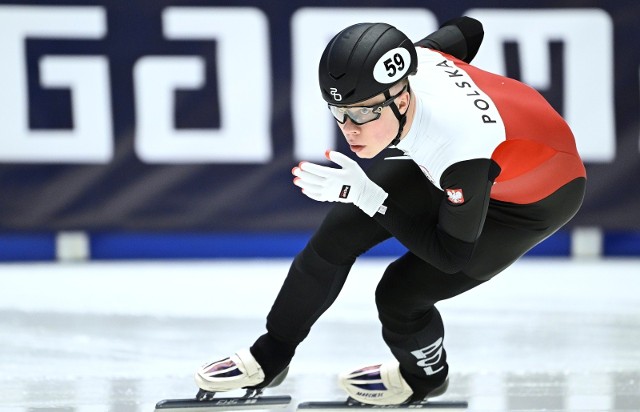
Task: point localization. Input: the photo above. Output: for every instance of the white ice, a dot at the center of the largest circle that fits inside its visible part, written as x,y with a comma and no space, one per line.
547,334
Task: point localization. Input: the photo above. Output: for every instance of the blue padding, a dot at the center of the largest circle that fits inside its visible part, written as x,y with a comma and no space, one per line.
558,244
390,247
27,247
41,246
621,244
195,245
202,246
253,245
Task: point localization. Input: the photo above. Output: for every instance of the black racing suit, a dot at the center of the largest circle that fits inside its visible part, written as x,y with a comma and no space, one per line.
474,185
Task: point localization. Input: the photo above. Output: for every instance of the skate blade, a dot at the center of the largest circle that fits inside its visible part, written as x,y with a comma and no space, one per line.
432,406
220,404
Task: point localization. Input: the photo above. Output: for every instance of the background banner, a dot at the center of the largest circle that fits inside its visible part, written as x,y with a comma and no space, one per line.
176,116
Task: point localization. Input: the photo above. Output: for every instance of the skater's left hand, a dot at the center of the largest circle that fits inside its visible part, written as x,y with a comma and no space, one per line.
348,184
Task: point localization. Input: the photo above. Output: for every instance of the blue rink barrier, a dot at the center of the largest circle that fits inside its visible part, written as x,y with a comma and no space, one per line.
622,244
131,246
262,245
28,247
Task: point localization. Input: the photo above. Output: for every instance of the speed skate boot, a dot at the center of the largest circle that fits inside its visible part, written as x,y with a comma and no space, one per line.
382,385
240,370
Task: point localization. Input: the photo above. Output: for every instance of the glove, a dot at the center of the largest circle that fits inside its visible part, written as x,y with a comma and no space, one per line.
347,185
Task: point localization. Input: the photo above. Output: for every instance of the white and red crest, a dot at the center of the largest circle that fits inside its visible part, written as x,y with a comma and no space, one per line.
455,196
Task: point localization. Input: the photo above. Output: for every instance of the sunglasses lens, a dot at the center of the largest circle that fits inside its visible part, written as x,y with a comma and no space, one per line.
358,115
362,114
338,113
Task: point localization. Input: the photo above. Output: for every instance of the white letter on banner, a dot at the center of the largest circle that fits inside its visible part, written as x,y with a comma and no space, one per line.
587,35
87,77
244,83
311,29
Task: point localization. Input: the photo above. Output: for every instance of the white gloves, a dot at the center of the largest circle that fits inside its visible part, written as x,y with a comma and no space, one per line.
348,185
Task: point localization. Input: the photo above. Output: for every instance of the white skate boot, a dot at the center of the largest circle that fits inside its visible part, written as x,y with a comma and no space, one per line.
377,384
237,371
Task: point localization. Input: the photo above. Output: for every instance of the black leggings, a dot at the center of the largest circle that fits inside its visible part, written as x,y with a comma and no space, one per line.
409,287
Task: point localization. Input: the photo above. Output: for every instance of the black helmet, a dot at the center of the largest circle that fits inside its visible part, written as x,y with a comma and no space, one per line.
363,61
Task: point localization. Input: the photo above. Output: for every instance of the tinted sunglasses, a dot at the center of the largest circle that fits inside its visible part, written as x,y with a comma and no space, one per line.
361,114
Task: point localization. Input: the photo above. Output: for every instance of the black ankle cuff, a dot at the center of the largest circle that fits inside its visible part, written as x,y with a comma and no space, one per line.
422,386
272,355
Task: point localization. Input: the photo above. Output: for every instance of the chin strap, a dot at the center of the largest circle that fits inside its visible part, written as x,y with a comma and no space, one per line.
402,118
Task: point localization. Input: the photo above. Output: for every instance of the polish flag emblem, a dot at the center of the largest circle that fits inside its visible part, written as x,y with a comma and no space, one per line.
455,196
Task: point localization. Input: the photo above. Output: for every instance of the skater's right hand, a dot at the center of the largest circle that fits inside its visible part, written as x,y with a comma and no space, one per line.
348,184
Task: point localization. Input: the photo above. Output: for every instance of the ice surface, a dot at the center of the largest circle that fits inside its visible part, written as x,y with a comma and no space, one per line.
547,334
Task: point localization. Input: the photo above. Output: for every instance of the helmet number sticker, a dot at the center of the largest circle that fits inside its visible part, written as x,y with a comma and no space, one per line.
392,66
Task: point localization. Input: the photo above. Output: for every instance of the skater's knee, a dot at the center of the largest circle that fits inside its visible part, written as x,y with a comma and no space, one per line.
330,250
309,260
345,234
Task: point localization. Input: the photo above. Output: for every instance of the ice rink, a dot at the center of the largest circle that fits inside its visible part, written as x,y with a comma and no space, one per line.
547,334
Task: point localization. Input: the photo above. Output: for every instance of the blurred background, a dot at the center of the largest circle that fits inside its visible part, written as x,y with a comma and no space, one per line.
147,214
